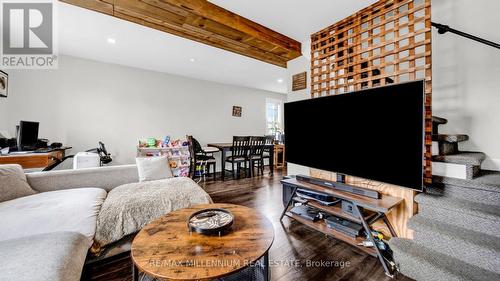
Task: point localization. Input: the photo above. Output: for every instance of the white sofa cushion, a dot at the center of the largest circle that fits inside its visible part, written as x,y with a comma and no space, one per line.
153,168
58,256
13,183
72,210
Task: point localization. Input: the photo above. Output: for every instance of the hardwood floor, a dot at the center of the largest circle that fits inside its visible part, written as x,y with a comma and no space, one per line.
298,252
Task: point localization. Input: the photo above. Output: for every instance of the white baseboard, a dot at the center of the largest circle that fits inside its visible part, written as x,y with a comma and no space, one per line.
435,148
491,164
449,170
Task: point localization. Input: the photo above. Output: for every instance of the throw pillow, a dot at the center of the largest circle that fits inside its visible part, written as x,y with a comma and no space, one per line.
153,168
13,183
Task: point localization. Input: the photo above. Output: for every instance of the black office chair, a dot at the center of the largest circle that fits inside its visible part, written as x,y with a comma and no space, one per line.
239,155
256,156
200,158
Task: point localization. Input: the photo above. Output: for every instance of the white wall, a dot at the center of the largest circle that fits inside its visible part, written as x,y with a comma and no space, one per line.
466,87
84,102
296,66
466,74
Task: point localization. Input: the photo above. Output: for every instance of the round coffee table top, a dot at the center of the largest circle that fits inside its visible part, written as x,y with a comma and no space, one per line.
166,249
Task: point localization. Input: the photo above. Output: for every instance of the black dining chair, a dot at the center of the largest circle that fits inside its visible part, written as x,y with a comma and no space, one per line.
199,158
239,155
255,156
267,150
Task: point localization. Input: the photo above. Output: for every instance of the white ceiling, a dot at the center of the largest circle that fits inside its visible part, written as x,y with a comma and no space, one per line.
297,19
84,33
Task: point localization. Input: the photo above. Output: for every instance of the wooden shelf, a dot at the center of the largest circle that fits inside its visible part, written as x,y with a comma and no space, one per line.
178,156
321,227
371,208
337,211
162,148
180,167
384,204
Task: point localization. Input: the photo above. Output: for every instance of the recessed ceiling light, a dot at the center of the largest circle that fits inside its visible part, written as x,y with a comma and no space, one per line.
111,40
280,80
192,60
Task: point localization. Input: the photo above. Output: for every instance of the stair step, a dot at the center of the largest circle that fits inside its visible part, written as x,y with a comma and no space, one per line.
450,138
461,243
454,170
447,148
485,180
421,263
436,121
466,158
465,193
439,120
478,217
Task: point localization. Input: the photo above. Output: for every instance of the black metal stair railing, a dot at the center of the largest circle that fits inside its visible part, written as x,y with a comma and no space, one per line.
442,29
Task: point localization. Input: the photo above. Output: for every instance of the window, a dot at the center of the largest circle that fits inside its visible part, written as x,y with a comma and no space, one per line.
273,117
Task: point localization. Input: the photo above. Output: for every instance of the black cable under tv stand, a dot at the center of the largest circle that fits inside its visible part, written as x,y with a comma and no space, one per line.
369,211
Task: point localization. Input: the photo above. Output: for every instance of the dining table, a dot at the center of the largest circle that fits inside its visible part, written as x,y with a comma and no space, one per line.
225,147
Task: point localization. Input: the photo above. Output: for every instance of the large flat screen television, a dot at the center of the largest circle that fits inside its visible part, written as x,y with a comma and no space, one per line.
376,134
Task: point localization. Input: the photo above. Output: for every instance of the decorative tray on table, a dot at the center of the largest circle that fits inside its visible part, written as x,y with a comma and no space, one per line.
211,221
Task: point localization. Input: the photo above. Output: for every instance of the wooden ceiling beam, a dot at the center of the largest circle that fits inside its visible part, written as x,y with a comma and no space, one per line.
211,11
202,37
102,6
204,22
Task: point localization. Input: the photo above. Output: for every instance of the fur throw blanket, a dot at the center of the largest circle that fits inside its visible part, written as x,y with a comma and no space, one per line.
128,208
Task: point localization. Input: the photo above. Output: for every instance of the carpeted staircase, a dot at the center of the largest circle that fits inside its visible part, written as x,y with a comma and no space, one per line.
457,228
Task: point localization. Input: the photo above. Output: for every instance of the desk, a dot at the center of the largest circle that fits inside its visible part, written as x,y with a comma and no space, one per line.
225,147
35,160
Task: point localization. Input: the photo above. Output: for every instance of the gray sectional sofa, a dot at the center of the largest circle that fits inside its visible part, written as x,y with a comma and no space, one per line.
45,233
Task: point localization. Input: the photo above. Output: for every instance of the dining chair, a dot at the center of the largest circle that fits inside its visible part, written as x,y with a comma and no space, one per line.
267,151
199,158
239,155
256,154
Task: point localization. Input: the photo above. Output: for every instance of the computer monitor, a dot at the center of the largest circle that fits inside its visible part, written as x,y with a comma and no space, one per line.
28,135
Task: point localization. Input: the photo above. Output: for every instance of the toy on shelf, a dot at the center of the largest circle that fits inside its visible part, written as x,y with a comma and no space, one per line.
177,152
176,143
166,141
152,142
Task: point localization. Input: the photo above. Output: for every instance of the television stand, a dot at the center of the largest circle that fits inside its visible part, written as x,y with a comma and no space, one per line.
370,210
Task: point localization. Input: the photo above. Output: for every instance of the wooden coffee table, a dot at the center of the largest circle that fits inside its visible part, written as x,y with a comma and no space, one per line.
166,249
